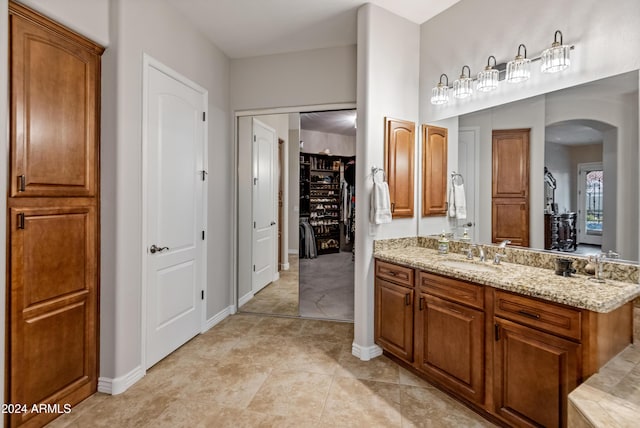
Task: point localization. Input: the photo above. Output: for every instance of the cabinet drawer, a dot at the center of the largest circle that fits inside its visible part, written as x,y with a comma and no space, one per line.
452,289
541,315
394,273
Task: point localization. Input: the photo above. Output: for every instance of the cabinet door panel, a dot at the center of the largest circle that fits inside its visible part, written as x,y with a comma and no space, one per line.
510,153
399,154
394,318
510,220
54,129
534,372
450,345
434,170
53,304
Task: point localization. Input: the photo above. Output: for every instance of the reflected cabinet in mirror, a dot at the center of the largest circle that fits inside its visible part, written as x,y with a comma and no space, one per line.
434,170
582,194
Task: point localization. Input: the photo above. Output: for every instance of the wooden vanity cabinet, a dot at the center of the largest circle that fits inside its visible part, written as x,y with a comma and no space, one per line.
533,375
394,296
512,357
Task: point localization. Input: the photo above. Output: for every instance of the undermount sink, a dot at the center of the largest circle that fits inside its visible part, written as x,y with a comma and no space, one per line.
468,266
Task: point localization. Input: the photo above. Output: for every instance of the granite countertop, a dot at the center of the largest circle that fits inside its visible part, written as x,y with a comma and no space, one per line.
577,291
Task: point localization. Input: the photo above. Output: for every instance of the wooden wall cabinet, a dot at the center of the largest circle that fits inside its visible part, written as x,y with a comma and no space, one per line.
53,225
510,357
434,171
399,152
510,186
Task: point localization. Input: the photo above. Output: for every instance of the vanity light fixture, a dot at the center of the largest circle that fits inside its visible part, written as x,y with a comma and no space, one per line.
462,87
519,68
488,78
556,58
440,93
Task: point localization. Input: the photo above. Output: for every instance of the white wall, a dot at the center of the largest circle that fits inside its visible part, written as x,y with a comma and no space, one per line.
388,80
87,17
313,77
557,159
338,145
168,37
470,31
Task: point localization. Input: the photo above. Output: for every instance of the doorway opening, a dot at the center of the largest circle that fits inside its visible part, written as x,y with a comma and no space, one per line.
579,212
297,286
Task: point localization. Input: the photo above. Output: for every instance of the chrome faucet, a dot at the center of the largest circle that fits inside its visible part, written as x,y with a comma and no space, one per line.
481,254
498,256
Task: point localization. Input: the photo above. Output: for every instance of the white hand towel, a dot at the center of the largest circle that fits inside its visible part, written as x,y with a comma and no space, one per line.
460,201
380,202
452,203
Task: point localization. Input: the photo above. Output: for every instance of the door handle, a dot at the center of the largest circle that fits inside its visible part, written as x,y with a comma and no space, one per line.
155,249
273,223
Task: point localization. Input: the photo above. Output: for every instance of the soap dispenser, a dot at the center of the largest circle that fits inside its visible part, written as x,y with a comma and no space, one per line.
465,236
443,244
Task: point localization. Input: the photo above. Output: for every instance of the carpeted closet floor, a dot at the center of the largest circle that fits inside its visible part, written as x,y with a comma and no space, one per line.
325,291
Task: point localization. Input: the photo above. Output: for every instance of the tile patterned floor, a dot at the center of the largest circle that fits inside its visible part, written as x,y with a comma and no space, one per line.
280,297
257,371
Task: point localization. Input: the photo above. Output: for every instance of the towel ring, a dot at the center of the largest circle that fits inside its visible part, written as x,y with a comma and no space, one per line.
375,170
455,176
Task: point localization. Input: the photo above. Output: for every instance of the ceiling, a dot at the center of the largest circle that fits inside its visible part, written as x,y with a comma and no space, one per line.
333,122
572,133
246,28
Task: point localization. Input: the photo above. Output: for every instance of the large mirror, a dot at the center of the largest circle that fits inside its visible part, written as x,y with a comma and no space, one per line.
583,167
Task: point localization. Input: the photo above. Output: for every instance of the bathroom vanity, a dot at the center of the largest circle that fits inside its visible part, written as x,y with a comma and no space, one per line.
509,340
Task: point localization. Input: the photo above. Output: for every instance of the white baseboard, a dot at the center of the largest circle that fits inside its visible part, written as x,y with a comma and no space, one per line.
276,276
229,310
365,353
244,299
120,384
293,251
285,266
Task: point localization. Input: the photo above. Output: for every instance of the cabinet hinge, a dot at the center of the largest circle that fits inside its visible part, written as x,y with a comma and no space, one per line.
254,137
203,235
204,174
204,116
496,330
21,221
254,224
255,181
22,183
254,268
201,294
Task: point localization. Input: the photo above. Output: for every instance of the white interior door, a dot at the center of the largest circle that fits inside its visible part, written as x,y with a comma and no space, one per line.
175,189
265,197
468,141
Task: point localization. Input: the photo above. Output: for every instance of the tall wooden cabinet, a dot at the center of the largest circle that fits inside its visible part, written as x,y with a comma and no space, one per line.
434,171
510,186
53,215
399,143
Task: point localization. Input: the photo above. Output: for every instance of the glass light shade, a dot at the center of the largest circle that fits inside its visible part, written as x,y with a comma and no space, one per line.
462,87
555,59
518,70
488,80
440,94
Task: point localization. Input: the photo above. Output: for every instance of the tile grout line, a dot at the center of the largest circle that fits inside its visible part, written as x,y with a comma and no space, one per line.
326,398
